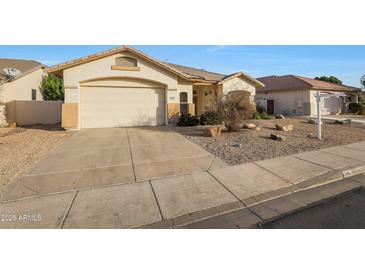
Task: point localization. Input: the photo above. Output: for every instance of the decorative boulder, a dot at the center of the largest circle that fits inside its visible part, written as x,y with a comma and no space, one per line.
236,145
313,121
249,126
343,122
212,131
284,127
279,116
258,129
277,137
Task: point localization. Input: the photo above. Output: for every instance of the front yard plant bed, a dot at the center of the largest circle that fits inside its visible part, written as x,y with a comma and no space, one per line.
257,145
21,148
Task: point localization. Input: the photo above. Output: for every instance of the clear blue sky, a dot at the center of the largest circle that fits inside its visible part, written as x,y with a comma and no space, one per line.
345,62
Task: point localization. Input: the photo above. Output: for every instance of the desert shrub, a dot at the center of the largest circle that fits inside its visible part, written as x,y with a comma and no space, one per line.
260,109
264,115
211,118
256,115
355,107
235,107
52,88
259,116
187,120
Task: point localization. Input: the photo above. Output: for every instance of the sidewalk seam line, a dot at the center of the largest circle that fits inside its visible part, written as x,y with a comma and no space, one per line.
130,153
332,169
287,181
342,155
215,178
158,205
68,210
74,170
211,163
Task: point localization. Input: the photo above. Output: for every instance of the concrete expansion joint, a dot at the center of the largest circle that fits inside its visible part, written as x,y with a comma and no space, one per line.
211,163
334,154
68,210
130,153
287,181
156,200
215,178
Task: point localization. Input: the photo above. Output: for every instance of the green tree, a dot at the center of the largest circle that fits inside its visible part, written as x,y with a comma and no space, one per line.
53,88
331,79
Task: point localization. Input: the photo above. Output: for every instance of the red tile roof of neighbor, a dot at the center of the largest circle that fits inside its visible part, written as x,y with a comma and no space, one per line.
24,66
290,82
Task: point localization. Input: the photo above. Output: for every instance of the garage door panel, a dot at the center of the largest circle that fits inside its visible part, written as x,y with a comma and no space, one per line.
331,105
118,107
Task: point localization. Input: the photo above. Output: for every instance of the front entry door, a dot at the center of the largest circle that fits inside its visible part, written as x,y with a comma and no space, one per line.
270,107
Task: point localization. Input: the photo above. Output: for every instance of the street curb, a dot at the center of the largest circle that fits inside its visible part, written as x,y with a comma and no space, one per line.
327,178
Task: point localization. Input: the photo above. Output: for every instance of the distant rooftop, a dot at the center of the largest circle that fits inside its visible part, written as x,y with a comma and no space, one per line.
290,82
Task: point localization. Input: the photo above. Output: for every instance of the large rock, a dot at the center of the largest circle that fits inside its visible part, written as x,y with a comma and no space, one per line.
284,127
343,122
313,121
212,131
277,137
279,116
249,126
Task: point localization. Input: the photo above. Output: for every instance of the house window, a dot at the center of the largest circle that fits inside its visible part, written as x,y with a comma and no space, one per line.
34,94
183,102
126,62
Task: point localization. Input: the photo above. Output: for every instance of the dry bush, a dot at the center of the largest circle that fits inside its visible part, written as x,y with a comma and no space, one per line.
235,107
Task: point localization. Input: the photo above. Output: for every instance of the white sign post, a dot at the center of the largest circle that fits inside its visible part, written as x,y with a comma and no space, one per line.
319,130
318,99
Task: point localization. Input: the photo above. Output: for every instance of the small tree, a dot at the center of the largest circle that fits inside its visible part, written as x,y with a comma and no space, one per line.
52,88
331,79
235,107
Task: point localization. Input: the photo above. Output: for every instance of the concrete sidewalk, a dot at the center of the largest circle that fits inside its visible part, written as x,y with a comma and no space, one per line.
181,200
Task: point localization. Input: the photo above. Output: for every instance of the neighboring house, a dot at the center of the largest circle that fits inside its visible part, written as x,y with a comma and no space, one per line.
20,80
295,95
125,87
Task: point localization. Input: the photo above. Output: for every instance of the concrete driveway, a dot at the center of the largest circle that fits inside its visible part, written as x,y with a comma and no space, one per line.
101,157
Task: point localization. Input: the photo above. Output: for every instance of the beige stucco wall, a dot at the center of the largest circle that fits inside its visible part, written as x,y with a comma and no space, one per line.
21,89
102,68
332,105
291,102
100,73
206,95
34,112
238,83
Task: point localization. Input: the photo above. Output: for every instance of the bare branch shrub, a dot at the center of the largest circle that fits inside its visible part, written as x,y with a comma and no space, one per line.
234,108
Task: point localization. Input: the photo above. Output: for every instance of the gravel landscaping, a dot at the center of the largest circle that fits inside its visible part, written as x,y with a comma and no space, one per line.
256,145
21,148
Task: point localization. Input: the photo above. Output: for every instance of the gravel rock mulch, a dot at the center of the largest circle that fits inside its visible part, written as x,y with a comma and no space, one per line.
256,145
21,148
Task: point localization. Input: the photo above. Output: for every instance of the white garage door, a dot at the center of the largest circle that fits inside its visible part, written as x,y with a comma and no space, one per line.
121,106
331,105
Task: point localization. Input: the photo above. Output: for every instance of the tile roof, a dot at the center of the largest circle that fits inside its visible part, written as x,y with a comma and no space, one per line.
290,82
185,72
198,73
24,66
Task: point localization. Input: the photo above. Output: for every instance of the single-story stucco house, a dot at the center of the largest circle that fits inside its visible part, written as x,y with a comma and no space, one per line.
125,87
295,95
20,80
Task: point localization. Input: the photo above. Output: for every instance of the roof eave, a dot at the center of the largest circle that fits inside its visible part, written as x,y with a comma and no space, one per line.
244,75
90,58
